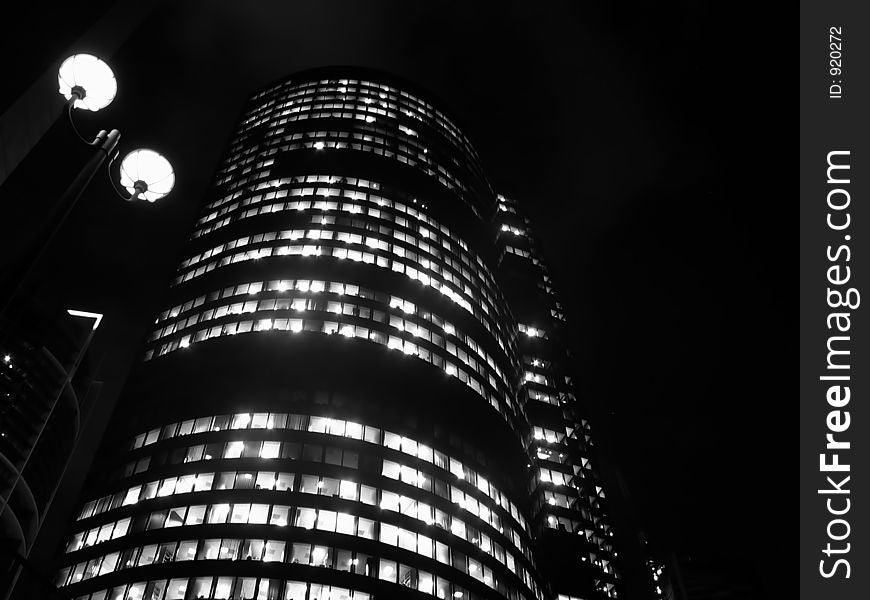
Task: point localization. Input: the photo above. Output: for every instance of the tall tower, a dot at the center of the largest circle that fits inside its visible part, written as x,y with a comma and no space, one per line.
568,499
335,403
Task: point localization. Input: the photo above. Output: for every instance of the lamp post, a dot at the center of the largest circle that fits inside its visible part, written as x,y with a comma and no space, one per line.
88,83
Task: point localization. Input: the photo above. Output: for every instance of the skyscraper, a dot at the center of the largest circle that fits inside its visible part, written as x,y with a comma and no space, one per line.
353,391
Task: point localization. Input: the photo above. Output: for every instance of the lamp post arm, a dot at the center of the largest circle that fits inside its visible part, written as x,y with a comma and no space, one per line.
122,194
69,111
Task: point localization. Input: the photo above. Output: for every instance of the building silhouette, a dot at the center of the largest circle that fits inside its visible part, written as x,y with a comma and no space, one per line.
46,391
359,387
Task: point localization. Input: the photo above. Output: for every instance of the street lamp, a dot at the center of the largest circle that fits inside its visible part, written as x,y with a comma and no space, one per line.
147,175
88,83
87,79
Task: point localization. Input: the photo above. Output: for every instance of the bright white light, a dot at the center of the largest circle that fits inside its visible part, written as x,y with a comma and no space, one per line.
97,317
347,331
147,174
319,145
370,119
7,358
90,74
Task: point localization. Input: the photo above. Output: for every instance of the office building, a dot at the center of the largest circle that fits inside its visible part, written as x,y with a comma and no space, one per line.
359,387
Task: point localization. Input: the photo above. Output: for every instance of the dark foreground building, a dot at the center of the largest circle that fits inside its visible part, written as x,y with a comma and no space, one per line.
45,393
358,389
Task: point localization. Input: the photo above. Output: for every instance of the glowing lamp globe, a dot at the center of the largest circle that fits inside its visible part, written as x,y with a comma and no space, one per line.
147,175
87,79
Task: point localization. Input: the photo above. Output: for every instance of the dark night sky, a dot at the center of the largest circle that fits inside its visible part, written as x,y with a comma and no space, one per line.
633,135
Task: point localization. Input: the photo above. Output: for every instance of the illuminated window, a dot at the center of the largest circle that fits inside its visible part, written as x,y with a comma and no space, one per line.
270,450
280,515
305,518
234,450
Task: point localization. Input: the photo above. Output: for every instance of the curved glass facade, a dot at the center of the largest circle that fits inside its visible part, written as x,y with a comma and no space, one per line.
369,435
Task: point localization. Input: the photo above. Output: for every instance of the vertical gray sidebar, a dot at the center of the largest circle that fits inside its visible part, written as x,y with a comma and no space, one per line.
834,268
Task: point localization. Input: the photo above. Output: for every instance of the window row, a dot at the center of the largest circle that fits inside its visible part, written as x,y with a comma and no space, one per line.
360,97
307,484
250,449
316,555
316,484
443,274
226,588
306,518
380,142
375,208
422,480
440,332
313,286
361,193
337,427
185,484
219,549
369,93
348,328
394,264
